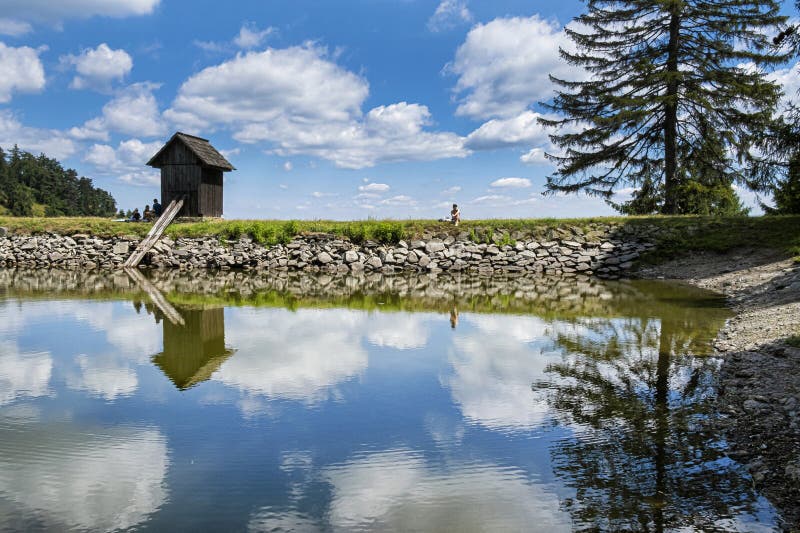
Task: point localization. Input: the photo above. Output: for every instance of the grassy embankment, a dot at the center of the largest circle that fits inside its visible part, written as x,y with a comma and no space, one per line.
676,234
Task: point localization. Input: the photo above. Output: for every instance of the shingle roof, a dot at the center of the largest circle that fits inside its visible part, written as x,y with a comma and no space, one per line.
207,154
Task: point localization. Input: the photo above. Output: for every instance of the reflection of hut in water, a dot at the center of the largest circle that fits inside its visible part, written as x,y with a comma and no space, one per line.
193,352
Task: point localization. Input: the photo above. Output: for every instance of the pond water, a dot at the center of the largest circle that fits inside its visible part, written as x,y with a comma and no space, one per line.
264,402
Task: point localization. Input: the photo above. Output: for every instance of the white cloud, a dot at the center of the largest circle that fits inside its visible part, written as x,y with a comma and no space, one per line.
250,36
300,102
399,200
319,194
511,183
535,156
449,14
494,199
97,68
500,133
287,166
22,71
789,80
503,66
451,190
260,87
35,140
134,111
50,11
127,162
374,187
14,28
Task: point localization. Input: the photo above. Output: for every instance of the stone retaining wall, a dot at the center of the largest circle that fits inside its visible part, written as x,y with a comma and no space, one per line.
563,251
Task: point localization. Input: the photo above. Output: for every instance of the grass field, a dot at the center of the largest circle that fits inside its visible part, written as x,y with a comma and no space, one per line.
675,234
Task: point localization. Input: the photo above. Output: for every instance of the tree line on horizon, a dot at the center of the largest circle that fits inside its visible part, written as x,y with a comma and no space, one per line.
676,103
31,183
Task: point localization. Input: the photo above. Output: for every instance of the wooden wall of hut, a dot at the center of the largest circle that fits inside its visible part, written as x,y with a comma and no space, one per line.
210,200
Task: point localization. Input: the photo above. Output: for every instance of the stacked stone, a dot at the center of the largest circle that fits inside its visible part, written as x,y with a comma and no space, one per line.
569,253
76,251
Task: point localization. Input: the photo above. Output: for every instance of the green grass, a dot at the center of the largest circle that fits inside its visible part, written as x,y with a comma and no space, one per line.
675,235
794,341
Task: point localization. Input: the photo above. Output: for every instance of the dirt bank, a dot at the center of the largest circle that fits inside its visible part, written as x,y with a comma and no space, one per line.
760,378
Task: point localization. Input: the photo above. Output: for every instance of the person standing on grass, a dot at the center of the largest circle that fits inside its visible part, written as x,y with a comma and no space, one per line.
455,215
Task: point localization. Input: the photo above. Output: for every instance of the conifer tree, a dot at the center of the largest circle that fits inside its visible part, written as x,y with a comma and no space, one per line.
662,74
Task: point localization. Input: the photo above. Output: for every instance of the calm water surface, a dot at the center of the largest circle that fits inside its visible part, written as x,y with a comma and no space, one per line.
234,402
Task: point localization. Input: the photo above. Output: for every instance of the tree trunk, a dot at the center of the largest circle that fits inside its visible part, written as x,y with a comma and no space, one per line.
671,179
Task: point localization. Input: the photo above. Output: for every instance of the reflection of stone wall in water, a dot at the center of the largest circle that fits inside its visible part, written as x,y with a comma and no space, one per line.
575,297
193,351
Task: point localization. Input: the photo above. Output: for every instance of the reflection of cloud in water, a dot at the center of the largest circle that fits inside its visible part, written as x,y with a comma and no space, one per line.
397,490
403,331
103,376
295,356
493,370
100,480
23,375
109,374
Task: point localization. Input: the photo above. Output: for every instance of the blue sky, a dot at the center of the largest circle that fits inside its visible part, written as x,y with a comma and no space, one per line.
343,110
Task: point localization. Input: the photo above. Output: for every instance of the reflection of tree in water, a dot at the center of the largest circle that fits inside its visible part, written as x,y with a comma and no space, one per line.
641,458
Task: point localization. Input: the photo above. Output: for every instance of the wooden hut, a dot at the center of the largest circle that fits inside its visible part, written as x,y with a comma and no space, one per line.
191,168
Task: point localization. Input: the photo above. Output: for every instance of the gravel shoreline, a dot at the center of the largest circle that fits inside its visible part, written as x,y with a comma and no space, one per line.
759,383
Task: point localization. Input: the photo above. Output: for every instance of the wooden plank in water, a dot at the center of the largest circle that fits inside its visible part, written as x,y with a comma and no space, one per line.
156,297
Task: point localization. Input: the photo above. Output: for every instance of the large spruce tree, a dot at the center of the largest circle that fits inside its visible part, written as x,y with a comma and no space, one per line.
675,94
775,164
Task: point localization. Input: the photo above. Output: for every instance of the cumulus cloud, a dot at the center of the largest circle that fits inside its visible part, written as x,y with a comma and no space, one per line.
301,102
522,129
492,199
54,12
22,71
97,68
789,80
449,14
287,166
13,27
374,187
35,140
250,36
511,183
133,111
535,156
126,161
503,66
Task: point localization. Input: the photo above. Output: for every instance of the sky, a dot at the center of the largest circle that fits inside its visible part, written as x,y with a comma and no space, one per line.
329,110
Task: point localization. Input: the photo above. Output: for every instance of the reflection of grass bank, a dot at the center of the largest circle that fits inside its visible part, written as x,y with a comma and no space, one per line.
675,234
